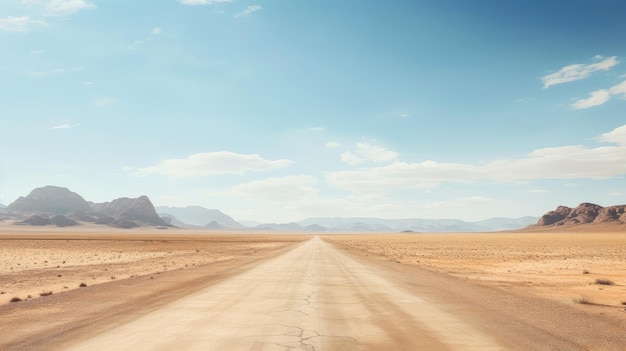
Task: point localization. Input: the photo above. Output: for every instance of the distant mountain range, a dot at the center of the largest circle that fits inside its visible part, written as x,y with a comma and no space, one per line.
369,224
52,205
198,217
59,206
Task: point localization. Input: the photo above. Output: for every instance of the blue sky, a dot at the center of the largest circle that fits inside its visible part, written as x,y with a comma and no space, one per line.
280,110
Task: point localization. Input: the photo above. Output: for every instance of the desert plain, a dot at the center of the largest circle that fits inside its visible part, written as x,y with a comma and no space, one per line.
89,288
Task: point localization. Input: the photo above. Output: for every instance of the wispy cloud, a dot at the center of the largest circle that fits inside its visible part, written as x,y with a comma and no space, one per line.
61,8
103,101
601,96
317,129
579,71
202,2
19,24
332,144
66,126
53,72
367,152
137,44
248,10
565,162
212,163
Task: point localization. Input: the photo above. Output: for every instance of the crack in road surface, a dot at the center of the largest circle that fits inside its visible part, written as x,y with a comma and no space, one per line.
311,298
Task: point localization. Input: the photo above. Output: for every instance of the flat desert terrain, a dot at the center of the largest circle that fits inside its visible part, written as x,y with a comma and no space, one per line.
187,290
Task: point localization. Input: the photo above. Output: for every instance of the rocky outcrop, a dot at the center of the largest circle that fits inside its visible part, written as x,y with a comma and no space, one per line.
139,210
62,221
36,220
585,213
50,199
555,216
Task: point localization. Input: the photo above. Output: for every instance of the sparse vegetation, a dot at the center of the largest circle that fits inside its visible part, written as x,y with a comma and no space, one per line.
604,282
82,285
585,271
45,293
583,301
16,299
624,302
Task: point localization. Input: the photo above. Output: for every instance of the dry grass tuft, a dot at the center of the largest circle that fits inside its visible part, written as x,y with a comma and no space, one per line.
82,285
46,293
16,299
604,282
584,300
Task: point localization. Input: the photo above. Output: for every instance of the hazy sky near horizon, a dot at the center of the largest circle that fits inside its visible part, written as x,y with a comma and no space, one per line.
280,110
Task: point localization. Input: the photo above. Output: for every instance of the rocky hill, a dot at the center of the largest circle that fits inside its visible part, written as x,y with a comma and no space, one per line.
52,205
139,210
585,213
50,199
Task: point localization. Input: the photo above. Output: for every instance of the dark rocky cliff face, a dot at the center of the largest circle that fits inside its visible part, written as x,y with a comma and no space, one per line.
583,214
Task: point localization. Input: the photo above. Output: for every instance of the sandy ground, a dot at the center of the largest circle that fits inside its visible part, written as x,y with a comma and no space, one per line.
560,266
191,291
38,262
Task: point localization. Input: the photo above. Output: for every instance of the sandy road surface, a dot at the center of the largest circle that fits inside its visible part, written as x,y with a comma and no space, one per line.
311,298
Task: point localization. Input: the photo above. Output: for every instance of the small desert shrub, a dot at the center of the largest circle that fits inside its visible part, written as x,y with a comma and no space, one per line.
624,302
585,271
82,285
16,299
604,282
47,293
583,301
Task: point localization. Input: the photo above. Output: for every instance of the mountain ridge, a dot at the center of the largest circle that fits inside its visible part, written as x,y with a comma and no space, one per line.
585,213
53,205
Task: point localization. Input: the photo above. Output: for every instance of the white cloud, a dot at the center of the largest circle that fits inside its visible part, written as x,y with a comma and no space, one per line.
66,126
156,31
19,24
317,129
537,191
202,2
616,136
579,71
405,115
212,163
289,188
461,203
601,96
566,162
332,144
367,152
250,9
67,7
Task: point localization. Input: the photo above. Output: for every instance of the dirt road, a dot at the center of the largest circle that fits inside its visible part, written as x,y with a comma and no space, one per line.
311,298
